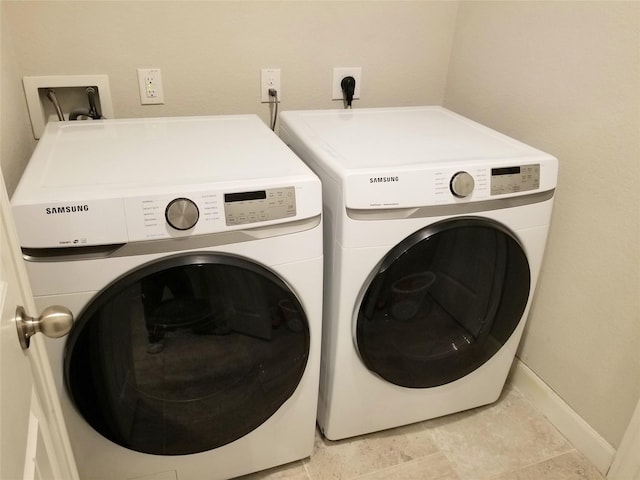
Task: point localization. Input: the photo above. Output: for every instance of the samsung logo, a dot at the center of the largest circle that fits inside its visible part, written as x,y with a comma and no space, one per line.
67,209
383,179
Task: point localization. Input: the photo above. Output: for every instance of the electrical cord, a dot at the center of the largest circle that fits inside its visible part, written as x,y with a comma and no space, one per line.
348,85
273,93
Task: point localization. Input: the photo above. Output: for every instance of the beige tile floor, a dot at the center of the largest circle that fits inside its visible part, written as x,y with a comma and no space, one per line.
509,440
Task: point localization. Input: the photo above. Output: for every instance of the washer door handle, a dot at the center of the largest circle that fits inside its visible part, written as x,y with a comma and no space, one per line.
55,321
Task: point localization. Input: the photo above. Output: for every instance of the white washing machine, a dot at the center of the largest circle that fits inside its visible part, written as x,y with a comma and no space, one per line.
190,252
435,228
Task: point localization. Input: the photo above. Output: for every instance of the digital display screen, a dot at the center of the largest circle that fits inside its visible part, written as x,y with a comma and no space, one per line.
505,171
244,196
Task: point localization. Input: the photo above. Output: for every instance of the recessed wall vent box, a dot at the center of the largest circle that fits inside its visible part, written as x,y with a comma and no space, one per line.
71,94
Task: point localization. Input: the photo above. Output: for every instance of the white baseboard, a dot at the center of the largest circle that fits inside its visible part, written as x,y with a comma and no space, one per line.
583,437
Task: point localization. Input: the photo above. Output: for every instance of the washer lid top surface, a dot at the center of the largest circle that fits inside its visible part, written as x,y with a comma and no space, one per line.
405,136
145,155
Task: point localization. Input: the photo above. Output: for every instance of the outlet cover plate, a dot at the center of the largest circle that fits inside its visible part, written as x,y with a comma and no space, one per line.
150,86
270,78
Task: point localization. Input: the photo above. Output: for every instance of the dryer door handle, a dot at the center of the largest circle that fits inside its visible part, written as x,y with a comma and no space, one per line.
55,321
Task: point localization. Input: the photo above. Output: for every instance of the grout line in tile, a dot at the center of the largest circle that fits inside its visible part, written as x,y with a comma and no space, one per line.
305,462
430,431
408,462
524,467
535,408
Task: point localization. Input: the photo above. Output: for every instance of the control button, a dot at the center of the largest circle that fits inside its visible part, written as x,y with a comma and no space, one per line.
182,214
461,184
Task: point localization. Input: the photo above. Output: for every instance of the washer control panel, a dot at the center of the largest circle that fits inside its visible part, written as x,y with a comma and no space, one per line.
515,179
190,213
259,205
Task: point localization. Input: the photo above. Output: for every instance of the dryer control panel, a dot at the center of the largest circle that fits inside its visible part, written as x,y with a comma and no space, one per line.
259,205
515,179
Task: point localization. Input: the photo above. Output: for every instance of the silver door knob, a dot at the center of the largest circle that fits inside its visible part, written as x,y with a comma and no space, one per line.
55,321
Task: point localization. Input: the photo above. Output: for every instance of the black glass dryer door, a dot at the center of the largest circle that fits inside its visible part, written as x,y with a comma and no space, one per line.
186,354
443,302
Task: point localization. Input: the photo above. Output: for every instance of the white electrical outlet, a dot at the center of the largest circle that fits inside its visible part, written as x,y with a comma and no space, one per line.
270,78
338,74
150,84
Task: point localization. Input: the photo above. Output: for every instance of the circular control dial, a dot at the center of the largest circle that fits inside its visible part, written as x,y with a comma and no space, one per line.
461,184
182,214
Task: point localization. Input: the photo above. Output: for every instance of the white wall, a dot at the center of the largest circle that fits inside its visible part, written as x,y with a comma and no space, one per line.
16,141
565,77
211,52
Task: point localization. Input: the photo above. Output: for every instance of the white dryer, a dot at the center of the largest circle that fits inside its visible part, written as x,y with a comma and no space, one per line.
435,228
190,252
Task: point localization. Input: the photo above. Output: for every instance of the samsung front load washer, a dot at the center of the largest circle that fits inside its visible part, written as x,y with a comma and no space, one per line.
435,227
190,252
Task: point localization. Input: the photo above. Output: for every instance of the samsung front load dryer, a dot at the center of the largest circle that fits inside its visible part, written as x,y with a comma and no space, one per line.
435,227
190,252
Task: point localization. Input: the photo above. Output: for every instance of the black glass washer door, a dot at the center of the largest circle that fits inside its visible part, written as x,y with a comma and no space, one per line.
186,354
443,302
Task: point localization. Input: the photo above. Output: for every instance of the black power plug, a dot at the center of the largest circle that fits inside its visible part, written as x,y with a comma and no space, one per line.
348,85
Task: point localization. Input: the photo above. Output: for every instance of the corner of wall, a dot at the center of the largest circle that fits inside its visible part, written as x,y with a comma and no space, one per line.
595,448
16,139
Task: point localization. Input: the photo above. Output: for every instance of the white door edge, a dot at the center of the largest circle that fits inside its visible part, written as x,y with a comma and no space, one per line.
46,408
